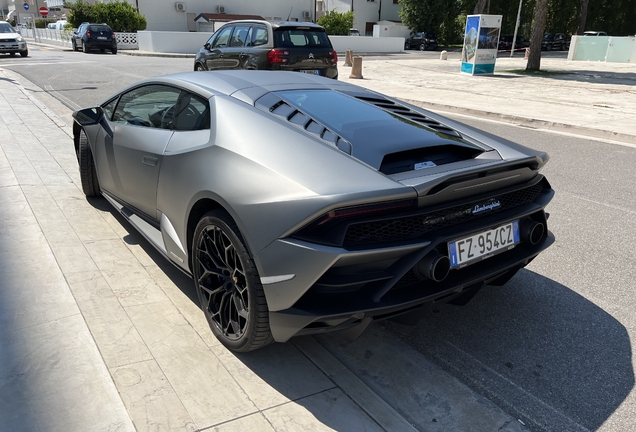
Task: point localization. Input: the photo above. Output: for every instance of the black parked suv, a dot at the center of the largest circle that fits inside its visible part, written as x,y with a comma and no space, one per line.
554,41
422,41
94,36
290,46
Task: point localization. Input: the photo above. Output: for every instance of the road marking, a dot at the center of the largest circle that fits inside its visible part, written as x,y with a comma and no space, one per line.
66,101
612,206
27,63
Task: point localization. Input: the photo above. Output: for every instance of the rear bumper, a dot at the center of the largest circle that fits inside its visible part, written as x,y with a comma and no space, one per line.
95,44
330,288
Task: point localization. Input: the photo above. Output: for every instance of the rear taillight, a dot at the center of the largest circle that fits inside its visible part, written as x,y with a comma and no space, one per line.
277,56
88,33
334,56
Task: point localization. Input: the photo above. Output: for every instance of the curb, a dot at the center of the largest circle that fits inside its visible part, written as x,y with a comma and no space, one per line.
529,122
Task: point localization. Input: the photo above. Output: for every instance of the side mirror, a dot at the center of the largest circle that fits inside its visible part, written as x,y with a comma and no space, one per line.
207,46
91,117
88,116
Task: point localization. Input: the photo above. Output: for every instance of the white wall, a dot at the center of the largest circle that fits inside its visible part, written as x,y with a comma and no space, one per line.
171,42
361,44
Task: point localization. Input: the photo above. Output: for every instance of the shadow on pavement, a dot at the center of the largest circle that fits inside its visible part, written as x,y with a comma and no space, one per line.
538,349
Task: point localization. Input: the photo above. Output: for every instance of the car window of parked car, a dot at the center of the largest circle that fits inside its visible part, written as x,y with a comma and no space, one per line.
223,37
99,28
192,113
292,37
239,36
260,36
149,106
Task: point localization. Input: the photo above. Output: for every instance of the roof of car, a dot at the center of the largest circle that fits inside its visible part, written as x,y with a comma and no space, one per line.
277,24
246,85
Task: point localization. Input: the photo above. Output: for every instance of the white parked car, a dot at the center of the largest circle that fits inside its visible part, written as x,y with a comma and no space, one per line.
11,42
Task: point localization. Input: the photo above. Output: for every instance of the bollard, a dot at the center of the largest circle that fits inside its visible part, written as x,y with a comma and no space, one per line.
356,70
443,55
348,58
527,54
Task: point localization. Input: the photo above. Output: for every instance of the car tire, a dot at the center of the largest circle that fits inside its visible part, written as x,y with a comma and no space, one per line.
407,46
88,173
198,67
24,53
84,48
114,50
74,45
228,284
422,47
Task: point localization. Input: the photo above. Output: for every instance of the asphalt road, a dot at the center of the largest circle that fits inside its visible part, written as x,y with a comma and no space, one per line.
554,346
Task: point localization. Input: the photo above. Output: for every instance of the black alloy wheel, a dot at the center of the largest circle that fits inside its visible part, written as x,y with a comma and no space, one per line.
199,67
228,284
88,173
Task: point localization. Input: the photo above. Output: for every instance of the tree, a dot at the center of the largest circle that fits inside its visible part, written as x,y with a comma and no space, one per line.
583,16
120,15
336,23
480,7
538,27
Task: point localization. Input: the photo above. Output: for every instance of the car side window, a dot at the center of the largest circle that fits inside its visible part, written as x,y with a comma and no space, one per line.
150,106
223,38
239,36
109,108
192,113
260,36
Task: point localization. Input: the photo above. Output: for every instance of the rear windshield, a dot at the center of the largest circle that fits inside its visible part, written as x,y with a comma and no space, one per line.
290,37
99,28
350,117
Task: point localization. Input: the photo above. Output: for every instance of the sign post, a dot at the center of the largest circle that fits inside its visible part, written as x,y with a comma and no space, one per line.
480,44
44,11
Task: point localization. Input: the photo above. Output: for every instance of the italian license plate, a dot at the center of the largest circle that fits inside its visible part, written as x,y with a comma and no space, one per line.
480,246
310,71
102,37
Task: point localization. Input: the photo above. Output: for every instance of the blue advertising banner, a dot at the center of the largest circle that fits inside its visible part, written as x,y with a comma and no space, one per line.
480,44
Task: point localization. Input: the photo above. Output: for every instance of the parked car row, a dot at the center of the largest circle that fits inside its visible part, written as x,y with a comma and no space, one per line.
505,42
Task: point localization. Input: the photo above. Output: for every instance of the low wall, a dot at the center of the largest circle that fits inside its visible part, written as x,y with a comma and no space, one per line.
191,42
603,48
172,42
366,44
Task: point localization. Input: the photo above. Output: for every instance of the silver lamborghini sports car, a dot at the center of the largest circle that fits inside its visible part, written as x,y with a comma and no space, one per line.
300,204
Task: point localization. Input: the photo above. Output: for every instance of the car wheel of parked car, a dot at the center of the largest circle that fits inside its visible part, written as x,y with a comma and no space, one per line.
24,53
84,48
114,50
198,67
74,45
88,174
407,46
423,47
228,284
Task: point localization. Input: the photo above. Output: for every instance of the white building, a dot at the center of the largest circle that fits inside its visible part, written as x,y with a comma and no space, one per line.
179,15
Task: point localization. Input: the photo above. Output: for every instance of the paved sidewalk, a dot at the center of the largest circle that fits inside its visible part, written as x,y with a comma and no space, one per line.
99,333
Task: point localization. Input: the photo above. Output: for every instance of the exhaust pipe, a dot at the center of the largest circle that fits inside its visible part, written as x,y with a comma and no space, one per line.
532,231
434,266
